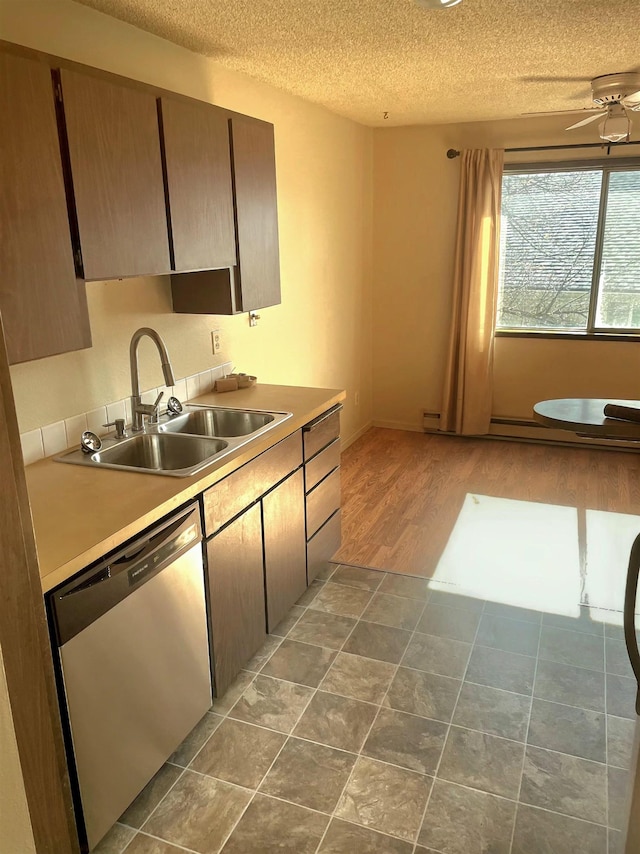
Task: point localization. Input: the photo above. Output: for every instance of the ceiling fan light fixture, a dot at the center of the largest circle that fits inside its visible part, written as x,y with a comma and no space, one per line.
616,127
437,4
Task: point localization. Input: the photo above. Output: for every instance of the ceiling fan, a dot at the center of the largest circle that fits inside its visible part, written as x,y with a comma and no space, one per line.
614,97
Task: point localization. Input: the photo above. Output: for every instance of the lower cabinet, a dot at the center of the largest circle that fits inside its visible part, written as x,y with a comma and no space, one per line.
257,561
237,626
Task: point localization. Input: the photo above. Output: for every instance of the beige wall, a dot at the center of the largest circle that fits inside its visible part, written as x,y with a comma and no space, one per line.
15,825
415,191
321,333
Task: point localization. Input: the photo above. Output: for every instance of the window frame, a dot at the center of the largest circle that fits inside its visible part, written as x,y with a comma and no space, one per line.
592,332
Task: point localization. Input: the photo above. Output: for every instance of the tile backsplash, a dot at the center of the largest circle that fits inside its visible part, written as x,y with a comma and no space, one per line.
57,437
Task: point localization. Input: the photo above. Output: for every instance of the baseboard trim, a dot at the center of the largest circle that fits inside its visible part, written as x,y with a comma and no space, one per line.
399,425
345,443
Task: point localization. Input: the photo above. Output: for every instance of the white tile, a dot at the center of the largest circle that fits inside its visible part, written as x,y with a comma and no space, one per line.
75,428
206,382
193,387
149,396
96,419
32,448
54,438
116,410
217,373
127,409
180,390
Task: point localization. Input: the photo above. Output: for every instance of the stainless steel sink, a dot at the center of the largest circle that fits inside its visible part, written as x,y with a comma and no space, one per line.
183,445
216,421
156,453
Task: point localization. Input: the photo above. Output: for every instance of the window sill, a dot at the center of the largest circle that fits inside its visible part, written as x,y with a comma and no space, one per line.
568,336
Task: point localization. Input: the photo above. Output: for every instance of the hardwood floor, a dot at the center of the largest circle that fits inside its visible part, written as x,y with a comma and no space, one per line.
403,492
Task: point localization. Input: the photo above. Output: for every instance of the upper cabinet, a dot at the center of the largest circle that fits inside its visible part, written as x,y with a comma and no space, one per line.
197,163
255,282
43,305
116,169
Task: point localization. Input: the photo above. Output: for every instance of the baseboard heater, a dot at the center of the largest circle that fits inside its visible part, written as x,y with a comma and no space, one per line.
529,430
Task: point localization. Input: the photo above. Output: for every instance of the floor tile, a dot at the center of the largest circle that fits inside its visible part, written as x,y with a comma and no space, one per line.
196,738
115,841
148,845
576,648
579,732
621,696
617,658
239,753
341,600
310,775
565,784
272,703
357,576
345,838
326,573
620,735
407,740
150,796
288,622
584,620
310,593
508,635
541,832
394,611
463,821
263,655
299,662
493,711
513,612
385,798
198,813
499,669
222,705
482,761
448,622
270,826
619,784
404,585
317,627
456,600
616,842
361,678
575,686
437,655
337,721
423,694
384,643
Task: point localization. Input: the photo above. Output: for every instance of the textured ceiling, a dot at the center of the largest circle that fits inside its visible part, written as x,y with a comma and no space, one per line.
359,58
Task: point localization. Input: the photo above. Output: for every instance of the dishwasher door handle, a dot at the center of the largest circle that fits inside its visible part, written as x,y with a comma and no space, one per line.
630,596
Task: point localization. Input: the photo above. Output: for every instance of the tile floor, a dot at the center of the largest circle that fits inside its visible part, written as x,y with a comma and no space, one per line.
388,717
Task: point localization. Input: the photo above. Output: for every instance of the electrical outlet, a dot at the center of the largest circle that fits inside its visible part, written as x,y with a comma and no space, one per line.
356,399
216,341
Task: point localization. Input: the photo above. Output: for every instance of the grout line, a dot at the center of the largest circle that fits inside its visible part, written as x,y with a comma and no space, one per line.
159,839
606,746
526,739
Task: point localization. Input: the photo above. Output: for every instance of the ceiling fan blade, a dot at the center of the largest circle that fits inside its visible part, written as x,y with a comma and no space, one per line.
564,112
543,79
587,121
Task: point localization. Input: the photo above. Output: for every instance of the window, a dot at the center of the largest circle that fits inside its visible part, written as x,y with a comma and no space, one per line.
570,249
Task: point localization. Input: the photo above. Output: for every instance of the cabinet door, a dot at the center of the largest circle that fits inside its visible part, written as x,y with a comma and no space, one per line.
114,147
198,174
254,170
236,596
284,547
43,305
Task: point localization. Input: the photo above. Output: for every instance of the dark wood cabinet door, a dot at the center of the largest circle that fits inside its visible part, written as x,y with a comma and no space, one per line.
198,175
284,547
114,148
43,305
254,170
236,594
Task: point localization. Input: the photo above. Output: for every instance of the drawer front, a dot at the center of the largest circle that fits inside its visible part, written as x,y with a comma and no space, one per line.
239,490
322,547
322,502
321,432
321,465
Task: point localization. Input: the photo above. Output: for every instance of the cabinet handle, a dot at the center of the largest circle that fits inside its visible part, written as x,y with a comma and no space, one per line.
311,426
630,596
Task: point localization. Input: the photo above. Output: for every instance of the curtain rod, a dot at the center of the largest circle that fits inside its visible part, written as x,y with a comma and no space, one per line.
452,152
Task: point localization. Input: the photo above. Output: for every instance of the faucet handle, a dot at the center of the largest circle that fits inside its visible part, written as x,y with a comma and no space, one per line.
154,414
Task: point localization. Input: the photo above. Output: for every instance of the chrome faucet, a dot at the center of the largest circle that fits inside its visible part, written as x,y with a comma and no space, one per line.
138,408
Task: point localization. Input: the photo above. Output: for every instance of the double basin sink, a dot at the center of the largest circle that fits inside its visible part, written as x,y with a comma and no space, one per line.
182,445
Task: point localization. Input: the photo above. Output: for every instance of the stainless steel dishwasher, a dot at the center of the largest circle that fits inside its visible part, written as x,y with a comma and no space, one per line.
134,672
